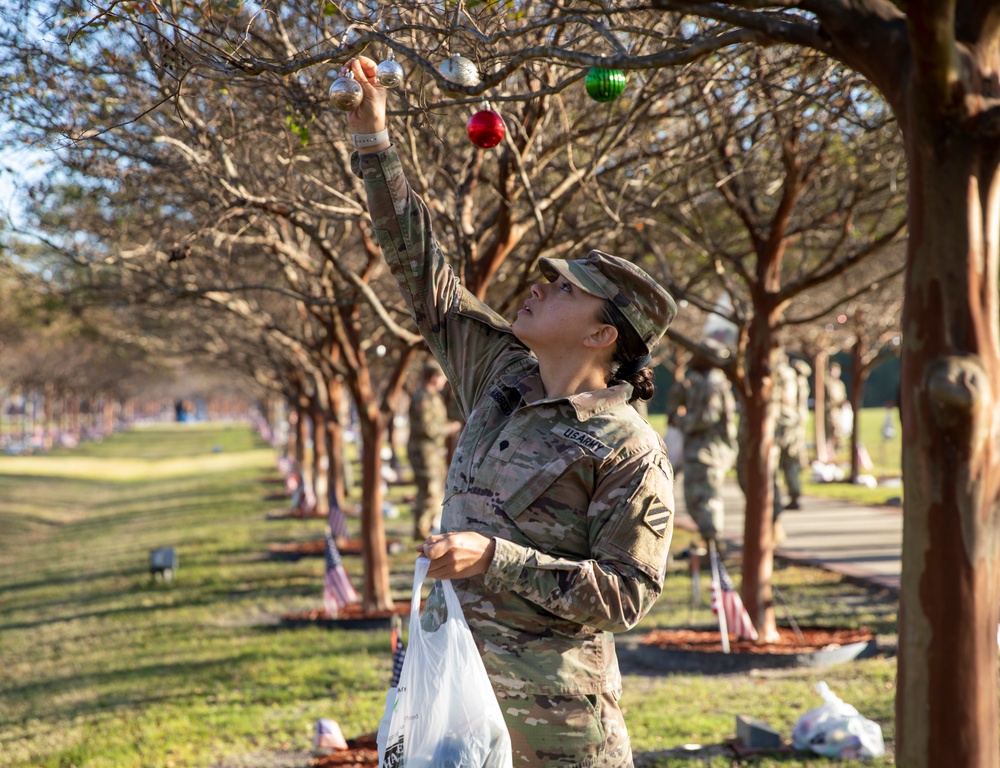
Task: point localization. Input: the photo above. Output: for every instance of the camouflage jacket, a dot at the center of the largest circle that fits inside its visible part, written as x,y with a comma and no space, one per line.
709,419
785,395
577,492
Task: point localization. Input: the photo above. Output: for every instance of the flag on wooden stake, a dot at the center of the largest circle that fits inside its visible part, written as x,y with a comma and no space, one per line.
737,619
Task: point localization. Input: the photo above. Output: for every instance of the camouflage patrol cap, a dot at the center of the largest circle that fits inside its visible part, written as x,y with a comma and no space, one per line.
643,301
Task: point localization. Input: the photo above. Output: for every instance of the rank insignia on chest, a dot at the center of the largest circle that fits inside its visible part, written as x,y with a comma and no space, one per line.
585,439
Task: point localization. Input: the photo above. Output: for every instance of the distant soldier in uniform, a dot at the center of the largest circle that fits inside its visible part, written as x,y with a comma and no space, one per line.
558,510
804,371
788,430
702,406
426,446
835,399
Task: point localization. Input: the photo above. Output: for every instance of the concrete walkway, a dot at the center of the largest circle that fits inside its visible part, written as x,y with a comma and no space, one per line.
863,543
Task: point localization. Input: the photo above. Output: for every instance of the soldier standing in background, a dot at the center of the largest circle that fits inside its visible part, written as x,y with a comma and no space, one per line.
833,413
789,431
702,406
804,371
426,446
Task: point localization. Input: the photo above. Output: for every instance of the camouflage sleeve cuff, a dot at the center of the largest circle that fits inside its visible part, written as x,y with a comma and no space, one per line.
384,164
505,569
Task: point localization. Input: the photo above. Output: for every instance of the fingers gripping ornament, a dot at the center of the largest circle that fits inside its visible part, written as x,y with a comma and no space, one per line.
389,73
345,92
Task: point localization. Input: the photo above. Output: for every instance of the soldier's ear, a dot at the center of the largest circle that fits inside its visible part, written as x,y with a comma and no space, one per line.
605,336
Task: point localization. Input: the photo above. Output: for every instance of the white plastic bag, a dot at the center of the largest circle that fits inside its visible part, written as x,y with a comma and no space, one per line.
836,729
445,714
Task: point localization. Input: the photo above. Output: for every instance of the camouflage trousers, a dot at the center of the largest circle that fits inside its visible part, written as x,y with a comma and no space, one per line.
790,467
428,475
567,731
703,496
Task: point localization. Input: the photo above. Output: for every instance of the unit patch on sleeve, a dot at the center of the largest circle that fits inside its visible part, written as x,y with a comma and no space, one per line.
657,516
585,439
653,497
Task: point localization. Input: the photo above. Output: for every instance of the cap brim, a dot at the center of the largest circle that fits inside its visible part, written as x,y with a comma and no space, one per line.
554,268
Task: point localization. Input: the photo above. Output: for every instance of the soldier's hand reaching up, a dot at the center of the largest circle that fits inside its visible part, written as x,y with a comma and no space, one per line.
369,116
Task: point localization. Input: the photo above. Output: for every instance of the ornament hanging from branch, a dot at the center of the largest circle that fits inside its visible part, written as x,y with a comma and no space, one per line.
460,71
605,84
389,72
345,92
486,129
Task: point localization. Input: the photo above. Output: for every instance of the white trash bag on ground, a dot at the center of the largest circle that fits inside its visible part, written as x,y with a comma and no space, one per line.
445,713
836,729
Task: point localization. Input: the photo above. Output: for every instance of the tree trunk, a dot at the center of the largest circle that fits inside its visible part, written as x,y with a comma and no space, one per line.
376,594
301,432
109,415
758,472
320,459
335,444
946,700
858,381
292,444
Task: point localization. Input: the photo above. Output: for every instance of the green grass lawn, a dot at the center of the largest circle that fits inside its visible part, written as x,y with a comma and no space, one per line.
102,666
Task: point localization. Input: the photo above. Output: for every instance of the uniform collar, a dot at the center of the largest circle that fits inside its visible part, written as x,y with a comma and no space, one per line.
585,404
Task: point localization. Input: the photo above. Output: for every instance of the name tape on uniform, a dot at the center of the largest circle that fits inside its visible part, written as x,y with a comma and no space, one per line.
585,439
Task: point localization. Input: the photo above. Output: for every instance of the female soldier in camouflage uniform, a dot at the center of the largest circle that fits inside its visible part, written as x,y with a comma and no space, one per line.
559,501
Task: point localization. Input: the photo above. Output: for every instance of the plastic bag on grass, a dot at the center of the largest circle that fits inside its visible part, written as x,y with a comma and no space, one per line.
836,729
444,714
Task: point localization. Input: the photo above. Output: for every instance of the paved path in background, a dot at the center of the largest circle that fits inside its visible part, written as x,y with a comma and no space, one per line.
863,543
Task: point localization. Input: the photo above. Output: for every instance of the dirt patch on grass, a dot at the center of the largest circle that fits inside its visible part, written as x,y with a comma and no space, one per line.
361,752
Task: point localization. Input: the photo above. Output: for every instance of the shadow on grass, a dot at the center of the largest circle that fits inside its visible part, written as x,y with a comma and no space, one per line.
138,686
193,595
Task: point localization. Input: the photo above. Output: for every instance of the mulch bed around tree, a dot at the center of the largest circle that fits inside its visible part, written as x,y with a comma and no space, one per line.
700,650
294,514
317,548
349,617
361,752
708,641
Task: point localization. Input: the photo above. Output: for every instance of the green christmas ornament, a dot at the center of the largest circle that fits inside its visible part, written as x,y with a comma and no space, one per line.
605,84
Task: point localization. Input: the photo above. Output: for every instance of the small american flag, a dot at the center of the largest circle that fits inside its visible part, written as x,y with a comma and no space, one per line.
337,520
737,619
337,588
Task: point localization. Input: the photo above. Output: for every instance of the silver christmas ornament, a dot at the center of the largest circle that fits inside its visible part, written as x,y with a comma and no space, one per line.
346,93
460,71
389,73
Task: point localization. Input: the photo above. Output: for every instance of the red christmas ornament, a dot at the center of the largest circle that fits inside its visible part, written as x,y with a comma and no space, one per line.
486,129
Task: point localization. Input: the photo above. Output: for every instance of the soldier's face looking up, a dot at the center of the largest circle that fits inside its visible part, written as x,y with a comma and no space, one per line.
557,317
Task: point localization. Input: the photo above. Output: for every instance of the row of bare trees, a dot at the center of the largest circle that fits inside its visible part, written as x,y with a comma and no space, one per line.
200,166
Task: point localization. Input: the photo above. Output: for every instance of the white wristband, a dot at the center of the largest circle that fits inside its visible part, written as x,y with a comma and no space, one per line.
362,140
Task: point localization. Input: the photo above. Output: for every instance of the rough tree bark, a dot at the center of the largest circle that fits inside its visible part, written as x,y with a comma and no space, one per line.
951,467
937,67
